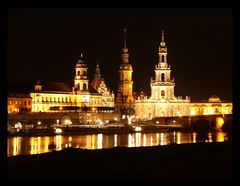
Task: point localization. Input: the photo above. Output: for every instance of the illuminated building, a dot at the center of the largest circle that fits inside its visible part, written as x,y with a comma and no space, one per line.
59,97
95,96
19,103
214,106
124,97
162,102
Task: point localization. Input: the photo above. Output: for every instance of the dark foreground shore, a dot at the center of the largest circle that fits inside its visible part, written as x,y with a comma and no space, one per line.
203,160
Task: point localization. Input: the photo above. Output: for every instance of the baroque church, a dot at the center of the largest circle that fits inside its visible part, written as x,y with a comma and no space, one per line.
162,102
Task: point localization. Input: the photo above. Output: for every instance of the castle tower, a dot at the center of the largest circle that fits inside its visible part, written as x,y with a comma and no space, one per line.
38,85
162,88
81,78
124,98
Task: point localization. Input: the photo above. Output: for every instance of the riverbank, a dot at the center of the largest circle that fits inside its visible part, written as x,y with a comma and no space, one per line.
96,130
199,160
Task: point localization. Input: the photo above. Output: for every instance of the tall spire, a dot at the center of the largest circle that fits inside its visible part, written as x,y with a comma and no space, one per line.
162,43
125,49
97,71
162,35
125,42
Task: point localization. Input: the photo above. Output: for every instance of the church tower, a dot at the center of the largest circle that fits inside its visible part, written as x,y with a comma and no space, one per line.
81,78
124,98
162,88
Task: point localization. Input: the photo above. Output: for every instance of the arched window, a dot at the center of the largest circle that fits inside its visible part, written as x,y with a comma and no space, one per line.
163,77
162,93
78,73
84,86
162,58
84,73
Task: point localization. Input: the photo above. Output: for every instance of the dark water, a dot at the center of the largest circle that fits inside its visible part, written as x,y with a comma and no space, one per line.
42,144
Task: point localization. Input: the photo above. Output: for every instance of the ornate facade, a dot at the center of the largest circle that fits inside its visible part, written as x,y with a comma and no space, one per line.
162,102
124,98
60,96
213,106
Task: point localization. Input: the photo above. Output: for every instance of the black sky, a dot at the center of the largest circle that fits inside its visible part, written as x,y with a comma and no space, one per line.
45,43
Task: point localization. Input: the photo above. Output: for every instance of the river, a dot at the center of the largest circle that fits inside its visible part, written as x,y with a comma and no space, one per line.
43,144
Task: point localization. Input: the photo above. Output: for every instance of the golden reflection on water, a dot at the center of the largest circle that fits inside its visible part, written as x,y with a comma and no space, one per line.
16,146
178,137
144,140
194,137
138,139
220,137
99,141
36,145
209,137
115,140
161,140
58,141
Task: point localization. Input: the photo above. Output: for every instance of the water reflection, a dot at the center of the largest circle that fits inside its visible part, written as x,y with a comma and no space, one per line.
36,145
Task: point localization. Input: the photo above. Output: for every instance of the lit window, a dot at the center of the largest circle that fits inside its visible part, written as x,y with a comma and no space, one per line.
162,93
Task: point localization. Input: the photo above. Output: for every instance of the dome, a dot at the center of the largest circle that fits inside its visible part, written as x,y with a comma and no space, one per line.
162,44
214,98
126,66
38,82
81,63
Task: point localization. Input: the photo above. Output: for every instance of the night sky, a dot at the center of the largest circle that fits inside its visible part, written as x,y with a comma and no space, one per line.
45,43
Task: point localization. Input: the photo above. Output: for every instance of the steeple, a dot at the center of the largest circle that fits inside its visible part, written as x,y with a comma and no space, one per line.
124,98
162,44
97,71
125,54
162,35
125,42
162,50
